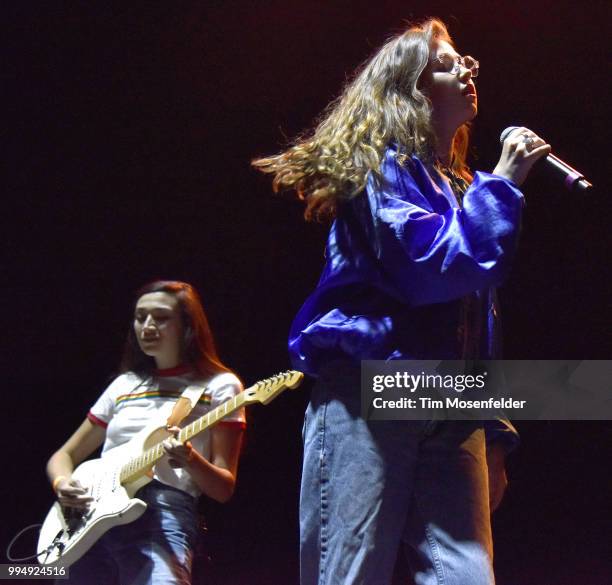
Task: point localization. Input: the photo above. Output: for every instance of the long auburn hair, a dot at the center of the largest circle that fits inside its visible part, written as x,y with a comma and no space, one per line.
198,346
383,104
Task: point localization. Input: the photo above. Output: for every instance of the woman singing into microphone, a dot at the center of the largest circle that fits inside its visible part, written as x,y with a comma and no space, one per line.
416,248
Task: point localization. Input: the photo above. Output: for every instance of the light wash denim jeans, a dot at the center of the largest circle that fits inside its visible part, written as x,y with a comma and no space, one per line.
156,549
367,488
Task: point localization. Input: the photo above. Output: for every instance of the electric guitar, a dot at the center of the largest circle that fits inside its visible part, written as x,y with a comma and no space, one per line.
67,533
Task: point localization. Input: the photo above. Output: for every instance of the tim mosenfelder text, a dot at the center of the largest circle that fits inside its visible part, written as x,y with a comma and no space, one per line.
423,381
425,402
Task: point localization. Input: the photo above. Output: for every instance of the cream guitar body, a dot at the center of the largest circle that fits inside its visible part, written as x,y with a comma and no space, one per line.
67,533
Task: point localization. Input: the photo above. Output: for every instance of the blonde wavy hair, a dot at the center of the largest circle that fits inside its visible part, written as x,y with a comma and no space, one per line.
382,104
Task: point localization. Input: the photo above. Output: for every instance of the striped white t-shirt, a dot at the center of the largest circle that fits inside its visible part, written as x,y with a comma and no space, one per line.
132,403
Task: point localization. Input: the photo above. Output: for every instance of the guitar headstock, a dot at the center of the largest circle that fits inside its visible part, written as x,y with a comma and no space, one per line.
266,390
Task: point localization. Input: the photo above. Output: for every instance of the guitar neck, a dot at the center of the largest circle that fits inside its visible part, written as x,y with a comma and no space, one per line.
138,466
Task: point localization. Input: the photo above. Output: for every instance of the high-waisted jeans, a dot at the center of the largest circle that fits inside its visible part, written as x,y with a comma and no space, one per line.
368,488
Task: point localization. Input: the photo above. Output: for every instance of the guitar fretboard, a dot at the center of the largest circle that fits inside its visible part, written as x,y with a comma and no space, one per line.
138,466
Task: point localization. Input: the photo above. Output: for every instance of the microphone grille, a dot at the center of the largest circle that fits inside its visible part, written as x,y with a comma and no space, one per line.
505,133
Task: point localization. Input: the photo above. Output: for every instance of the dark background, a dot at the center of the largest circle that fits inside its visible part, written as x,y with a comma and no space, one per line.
127,136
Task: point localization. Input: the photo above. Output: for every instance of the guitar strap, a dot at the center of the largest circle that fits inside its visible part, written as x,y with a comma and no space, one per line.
185,404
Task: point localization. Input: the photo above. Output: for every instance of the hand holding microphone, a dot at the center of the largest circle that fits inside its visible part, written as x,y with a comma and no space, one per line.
521,148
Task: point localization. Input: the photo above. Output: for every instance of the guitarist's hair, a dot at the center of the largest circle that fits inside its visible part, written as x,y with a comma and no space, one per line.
198,345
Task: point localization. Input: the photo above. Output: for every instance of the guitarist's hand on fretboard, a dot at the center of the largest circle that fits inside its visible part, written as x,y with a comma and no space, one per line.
179,454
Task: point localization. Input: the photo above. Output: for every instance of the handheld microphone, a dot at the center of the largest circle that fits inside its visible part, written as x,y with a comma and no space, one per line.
573,179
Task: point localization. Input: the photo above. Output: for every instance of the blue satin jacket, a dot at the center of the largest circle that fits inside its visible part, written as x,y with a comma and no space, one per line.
401,259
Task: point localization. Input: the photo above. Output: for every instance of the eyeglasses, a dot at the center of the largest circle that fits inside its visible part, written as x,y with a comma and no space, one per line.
453,63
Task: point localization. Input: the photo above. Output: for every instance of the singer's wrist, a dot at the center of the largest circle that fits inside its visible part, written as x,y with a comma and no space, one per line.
504,174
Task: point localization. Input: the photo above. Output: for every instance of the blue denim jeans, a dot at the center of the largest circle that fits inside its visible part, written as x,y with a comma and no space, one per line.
368,488
155,549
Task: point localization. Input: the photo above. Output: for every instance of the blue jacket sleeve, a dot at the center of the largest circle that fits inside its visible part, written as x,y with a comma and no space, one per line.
432,250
